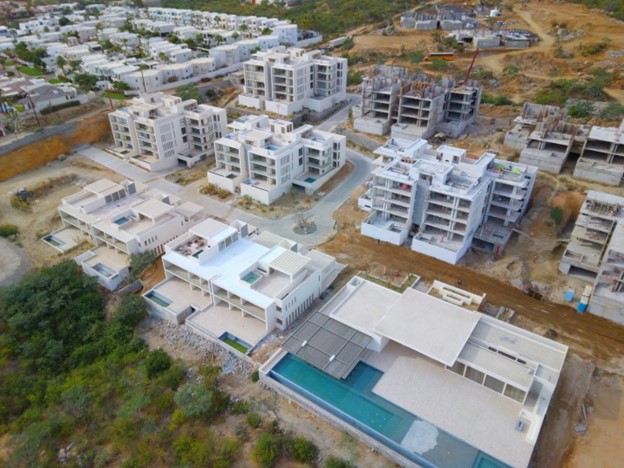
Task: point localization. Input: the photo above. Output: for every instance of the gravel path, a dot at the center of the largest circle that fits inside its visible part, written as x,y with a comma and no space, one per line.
14,263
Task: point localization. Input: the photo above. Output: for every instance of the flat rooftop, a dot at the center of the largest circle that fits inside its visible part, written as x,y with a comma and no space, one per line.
440,330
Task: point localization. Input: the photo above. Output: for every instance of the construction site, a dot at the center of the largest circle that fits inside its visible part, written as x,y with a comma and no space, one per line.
546,256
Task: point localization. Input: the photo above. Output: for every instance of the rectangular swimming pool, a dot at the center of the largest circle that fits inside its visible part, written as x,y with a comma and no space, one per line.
122,220
309,180
251,277
158,299
353,400
235,342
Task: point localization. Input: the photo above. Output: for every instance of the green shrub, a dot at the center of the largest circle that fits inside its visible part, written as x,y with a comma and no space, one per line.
347,44
501,100
8,230
556,214
511,70
157,361
581,109
303,450
267,450
593,49
240,407
335,462
254,420
613,111
255,376
131,310
139,262
354,77
172,377
440,65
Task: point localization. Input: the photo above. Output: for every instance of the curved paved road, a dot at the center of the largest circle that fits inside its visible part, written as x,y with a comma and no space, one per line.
321,213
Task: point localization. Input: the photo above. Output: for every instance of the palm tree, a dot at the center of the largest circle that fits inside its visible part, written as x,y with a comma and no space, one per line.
61,62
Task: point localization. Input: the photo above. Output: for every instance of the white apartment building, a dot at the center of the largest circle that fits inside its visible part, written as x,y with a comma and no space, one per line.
121,219
264,158
448,200
228,282
285,81
158,132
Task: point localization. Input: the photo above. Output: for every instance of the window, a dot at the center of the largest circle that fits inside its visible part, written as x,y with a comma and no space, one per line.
494,384
514,393
474,375
279,322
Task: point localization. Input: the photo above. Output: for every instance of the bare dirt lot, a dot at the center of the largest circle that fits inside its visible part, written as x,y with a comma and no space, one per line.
43,216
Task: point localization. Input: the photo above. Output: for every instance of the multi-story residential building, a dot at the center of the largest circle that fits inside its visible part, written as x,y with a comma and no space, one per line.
415,106
602,157
264,158
158,132
415,370
448,200
121,219
231,284
596,253
286,81
550,144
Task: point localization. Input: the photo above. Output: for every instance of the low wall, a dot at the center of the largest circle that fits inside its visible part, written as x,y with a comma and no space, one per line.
599,173
360,140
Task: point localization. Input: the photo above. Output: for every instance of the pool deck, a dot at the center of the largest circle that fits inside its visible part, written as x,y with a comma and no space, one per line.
108,257
69,236
181,296
439,396
218,319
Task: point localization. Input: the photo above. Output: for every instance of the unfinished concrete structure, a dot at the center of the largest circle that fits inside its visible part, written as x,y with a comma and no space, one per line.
602,157
550,144
532,114
596,251
415,106
426,381
449,200
444,17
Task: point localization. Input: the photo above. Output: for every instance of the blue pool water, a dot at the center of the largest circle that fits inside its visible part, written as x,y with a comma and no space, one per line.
271,147
158,299
251,277
352,400
309,180
122,220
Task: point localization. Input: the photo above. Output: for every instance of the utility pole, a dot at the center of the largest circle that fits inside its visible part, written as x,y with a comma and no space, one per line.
32,104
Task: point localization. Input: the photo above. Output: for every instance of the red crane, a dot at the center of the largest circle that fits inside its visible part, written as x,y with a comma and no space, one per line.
474,57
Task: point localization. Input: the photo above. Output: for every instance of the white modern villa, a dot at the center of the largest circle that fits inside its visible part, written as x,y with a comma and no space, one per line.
121,219
421,375
229,282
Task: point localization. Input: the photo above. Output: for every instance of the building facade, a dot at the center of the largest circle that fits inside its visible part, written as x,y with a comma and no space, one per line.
264,158
447,200
160,132
285,81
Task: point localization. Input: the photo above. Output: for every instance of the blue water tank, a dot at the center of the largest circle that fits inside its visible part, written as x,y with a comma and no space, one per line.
581,307
569,296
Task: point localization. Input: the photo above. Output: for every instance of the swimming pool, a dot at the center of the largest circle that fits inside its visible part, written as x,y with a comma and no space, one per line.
251,277
50,239
272,147
158,299
122,220
104,270
353,400
309,180
235,342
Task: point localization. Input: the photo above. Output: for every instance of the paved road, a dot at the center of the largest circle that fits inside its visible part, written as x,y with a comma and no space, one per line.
321,213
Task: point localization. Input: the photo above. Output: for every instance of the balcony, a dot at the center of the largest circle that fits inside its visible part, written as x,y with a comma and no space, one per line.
241,304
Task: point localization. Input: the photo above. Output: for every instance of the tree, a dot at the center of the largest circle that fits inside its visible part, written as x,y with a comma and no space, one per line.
266,32
267,450
131,310
196,399
64,21
235,35
218,40
189,91
120,86
157,362
139,262
61,62
85,81
581,109
556,214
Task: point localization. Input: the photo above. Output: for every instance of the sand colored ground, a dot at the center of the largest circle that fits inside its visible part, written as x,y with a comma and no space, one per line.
603,444
90,130
44,217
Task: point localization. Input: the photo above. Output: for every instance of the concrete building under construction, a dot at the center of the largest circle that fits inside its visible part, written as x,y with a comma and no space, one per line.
448,200
415,106
602,157
547,141
596,253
